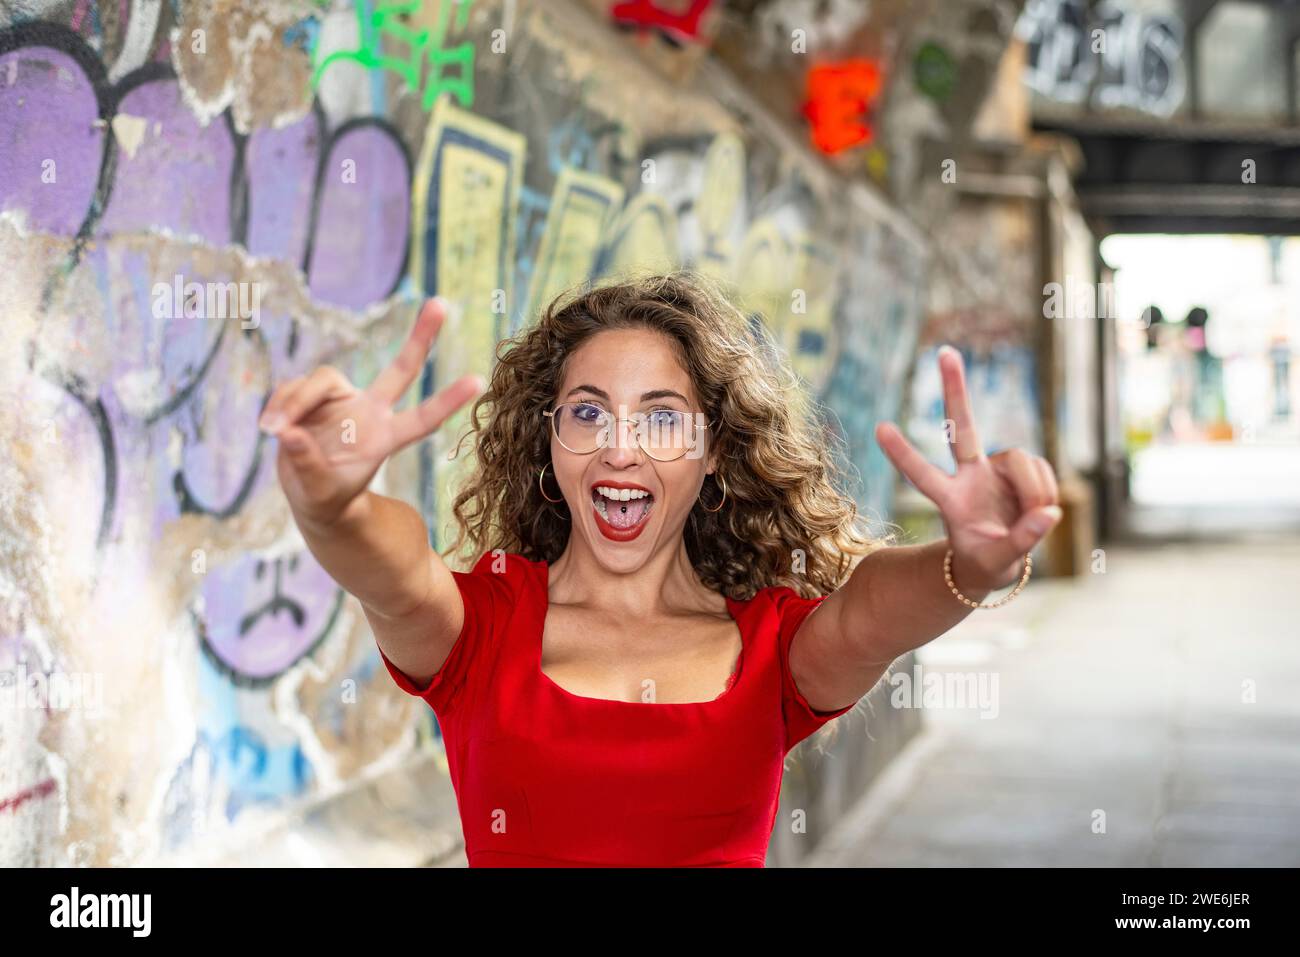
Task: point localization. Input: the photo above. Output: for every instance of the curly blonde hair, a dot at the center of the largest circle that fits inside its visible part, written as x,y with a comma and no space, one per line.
784,521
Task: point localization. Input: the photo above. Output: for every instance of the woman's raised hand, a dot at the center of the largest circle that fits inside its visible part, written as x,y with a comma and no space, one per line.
334,436
996,508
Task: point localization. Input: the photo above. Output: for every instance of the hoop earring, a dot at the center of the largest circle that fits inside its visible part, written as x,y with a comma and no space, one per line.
540,476
723,482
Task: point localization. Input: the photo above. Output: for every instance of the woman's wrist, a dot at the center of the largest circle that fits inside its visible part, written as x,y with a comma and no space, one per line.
970,578
354,515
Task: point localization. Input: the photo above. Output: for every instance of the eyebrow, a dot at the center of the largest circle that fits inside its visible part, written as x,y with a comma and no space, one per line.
645,396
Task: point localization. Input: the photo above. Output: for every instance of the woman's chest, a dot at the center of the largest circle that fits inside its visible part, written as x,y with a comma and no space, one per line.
620,781
683,660
584,700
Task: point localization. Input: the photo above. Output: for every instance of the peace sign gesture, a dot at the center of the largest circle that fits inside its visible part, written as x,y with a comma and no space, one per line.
996,508
334,436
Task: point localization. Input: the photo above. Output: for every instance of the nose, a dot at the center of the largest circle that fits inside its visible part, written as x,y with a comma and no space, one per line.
622,450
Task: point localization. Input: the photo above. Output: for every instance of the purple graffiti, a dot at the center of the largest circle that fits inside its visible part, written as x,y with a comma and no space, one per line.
356,198
85,158
281,167
284,608
51,147
179,177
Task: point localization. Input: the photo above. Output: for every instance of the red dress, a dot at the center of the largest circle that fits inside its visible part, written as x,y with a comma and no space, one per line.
547,778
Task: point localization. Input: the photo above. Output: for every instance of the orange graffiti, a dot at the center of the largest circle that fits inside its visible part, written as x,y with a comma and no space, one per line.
840,97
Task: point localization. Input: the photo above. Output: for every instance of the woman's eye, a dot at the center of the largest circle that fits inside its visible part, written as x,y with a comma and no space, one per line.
666,418
587,413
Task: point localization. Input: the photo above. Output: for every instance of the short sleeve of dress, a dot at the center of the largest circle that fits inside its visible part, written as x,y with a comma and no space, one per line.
488,593
801,720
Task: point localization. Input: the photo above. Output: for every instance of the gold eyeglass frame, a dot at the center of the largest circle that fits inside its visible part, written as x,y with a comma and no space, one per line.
610,432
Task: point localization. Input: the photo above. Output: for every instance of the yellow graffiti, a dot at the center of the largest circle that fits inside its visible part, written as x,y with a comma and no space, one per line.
644,238
476,174
582,206
720,202
810,334
783,279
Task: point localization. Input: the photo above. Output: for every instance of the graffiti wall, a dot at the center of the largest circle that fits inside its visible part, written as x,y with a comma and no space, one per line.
200,200
983,299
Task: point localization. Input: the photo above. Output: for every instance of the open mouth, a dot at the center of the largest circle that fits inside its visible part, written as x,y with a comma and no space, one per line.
621,511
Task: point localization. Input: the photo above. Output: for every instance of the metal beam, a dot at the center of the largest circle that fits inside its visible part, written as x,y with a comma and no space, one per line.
1290,46
1194,14
1262,202
1187,177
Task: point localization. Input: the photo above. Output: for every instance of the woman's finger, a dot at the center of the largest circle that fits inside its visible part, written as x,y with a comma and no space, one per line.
271,420
414,424
929,479
391,384
1018,468
1030,529
1048,476
306,396
965,438
308,462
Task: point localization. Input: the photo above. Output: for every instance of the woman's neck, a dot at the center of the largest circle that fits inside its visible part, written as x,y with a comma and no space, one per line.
664,584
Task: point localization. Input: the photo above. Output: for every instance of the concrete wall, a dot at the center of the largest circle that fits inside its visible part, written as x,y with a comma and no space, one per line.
146,555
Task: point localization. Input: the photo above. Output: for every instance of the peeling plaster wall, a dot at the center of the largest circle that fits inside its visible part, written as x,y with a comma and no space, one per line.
144,543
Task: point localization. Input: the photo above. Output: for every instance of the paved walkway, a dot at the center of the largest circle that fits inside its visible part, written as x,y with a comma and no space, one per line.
1146,716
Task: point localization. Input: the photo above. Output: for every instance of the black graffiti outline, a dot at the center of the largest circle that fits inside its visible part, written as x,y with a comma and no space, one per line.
38,34
108,97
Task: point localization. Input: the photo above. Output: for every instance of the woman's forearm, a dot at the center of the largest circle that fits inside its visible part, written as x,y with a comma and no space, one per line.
377,550
897,600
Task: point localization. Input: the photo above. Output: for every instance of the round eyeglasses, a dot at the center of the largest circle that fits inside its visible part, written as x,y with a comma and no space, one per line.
663,434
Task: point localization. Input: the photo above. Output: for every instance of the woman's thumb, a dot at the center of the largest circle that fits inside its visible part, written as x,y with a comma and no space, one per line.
1032,528
301,449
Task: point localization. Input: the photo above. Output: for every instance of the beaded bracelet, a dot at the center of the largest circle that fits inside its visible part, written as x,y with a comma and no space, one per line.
947,576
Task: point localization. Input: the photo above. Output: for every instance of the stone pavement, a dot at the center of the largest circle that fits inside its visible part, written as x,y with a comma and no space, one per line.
1144,716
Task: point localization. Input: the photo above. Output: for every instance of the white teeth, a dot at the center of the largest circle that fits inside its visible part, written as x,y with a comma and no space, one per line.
621,494
599,504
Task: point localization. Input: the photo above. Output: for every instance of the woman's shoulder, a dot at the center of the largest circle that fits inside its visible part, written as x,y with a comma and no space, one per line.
782,597
498,561
509,574
776,611
497,587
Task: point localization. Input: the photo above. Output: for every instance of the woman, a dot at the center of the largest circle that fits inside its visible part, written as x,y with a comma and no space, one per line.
621,674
